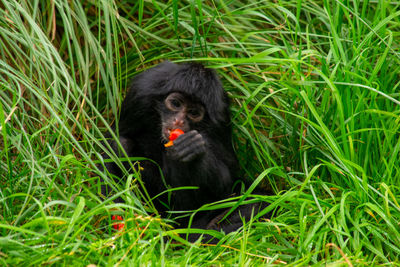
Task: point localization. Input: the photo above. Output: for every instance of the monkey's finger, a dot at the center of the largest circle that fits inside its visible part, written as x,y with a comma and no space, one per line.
192,151
189,158
187,136
189,144
193,155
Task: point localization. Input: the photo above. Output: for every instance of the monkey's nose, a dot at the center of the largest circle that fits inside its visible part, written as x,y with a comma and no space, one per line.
179,123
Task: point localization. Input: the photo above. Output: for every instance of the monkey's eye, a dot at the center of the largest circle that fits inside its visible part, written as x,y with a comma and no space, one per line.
173,103
193,113
196,114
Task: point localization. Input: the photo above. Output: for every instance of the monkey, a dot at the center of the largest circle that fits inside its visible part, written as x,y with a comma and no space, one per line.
191,98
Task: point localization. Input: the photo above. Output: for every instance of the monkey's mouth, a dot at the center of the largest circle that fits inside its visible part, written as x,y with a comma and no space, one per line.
165,134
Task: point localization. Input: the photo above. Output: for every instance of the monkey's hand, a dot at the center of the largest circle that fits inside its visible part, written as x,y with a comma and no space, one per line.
187,147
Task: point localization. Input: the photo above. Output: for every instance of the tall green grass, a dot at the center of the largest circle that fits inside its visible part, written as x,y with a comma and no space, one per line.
315,108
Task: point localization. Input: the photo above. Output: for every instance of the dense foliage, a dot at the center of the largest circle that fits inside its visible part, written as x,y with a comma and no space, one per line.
316,118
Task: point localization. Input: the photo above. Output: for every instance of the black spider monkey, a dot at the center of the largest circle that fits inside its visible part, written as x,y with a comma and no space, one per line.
189,97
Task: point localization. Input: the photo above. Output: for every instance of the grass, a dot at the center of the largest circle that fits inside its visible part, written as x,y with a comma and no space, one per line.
314,87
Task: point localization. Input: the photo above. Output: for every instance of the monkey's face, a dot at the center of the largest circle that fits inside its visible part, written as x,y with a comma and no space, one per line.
179,112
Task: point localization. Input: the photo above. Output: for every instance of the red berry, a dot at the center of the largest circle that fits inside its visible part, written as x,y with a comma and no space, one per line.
173,135
117,226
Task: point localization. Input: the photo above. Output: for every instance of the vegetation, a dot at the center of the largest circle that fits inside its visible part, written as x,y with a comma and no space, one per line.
315,106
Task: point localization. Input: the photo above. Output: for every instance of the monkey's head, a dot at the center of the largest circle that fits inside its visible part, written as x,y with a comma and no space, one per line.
201,85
